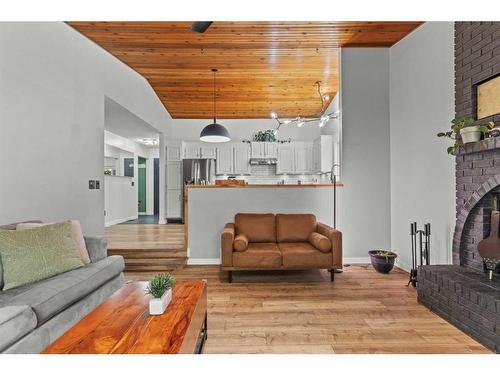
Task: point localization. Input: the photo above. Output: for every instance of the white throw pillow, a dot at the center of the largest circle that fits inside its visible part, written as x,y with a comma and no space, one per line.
76,234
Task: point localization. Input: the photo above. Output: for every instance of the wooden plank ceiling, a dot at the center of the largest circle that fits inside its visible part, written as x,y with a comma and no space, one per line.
263,66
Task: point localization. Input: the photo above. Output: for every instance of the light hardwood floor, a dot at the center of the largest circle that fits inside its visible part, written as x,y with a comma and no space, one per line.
148,247
302,312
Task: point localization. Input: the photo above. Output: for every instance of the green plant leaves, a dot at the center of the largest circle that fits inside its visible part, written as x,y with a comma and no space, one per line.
160,284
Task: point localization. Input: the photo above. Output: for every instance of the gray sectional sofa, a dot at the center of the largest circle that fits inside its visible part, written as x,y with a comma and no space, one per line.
35,315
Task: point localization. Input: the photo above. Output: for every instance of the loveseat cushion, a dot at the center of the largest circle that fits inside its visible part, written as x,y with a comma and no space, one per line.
257,227
304,255
240,242
320,242
50,296
258,255
295,227
15,322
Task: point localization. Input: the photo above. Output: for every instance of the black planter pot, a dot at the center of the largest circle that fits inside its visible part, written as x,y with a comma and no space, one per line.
382,263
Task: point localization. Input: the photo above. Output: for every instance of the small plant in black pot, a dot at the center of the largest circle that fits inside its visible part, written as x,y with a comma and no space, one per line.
382,260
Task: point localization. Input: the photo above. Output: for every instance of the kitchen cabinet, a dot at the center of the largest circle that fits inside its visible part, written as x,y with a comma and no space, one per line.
224,160
295,158
191,150
323,154
174,152
233,159
174,184
286,159
241,156
263,150
197,150
207,152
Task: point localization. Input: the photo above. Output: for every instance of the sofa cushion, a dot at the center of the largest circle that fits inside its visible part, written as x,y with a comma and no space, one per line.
257,227
295,227
304,255
320,242
240,243
51,296
258,255
76,234
36,254
15,322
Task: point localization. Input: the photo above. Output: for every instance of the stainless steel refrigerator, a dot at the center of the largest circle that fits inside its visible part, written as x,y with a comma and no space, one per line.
197,172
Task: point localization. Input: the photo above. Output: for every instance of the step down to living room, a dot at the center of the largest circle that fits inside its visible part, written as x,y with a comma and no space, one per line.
148,247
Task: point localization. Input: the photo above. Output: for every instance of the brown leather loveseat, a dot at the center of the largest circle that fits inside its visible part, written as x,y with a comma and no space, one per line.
282,241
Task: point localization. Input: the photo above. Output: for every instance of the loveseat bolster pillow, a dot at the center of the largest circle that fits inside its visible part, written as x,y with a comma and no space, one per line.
227,239
240,242
320,242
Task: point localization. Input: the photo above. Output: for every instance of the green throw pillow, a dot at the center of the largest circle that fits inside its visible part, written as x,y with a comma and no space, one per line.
36,254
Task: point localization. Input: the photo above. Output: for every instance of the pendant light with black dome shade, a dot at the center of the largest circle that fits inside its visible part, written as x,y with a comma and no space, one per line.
215,133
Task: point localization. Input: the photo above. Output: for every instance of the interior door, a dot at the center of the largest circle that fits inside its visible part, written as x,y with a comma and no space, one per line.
224,162
142,185
174,189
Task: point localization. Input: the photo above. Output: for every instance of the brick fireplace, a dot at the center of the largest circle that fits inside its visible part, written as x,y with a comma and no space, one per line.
461,293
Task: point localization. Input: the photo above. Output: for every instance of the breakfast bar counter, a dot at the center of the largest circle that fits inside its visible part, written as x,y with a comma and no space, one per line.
207,208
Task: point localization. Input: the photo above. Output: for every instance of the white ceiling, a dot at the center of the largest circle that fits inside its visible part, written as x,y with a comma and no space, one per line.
119,120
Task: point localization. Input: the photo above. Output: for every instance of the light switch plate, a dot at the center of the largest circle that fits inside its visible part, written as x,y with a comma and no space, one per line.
91,184
97,184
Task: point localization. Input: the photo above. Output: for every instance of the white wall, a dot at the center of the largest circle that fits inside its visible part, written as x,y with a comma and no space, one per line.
120,199
422,173
364,204
53,82
242,129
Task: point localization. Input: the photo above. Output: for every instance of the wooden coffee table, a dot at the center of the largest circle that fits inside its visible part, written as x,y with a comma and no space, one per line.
122,324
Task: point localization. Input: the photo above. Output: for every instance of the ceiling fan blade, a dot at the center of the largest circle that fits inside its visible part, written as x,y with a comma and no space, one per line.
201,26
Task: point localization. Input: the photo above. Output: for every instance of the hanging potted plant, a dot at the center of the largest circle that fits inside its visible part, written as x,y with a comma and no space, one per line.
160,287
382,260
463,128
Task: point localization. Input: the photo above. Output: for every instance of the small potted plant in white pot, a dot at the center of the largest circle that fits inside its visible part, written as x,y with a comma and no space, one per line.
469,133
160,287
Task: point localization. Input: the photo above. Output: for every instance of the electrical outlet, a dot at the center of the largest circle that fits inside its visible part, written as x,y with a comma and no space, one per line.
91,184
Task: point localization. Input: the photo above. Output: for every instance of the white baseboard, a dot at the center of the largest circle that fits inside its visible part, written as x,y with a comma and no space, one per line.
403,265
203,261
162,221
118,221
356,260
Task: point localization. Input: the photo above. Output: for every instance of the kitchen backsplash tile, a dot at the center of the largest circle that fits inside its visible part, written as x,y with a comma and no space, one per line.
266,174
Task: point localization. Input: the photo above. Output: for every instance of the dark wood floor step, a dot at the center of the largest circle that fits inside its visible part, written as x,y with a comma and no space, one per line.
151,268
149,253
173,261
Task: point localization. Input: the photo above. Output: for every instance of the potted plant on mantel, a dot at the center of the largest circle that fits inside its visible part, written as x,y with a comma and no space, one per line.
160,287
382,260
468,131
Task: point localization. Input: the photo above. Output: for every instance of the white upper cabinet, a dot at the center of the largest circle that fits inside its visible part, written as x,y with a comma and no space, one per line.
257,149
174,152
241,155
264,150
191,150
286,159
224,160
271,150
323,154
300,157
207,152
197,150
233,159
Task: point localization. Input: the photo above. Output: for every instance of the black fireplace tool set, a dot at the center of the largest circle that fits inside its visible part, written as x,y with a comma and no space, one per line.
420,249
